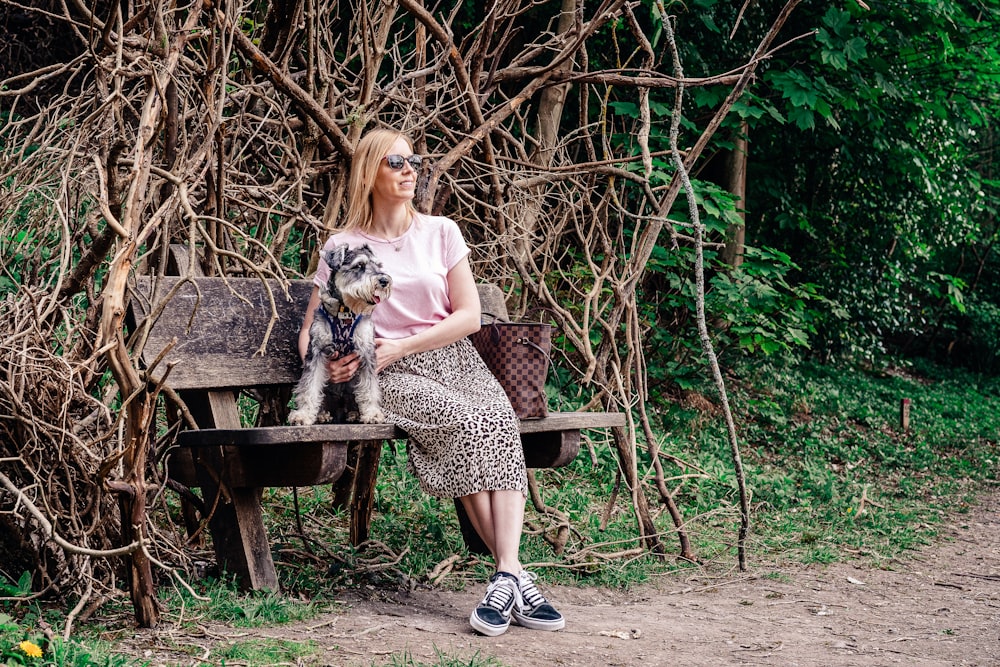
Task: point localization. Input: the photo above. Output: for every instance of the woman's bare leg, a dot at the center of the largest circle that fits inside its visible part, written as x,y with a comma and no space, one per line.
498,517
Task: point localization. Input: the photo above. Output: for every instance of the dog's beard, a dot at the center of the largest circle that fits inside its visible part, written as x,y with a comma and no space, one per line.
361,298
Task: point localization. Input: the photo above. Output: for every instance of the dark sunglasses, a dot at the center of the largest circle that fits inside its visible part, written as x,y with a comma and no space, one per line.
396,161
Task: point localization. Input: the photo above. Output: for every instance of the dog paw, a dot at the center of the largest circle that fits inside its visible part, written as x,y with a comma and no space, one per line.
300,418
374,417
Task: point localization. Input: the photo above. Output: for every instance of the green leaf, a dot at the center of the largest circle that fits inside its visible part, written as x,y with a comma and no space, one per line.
836,59
837,20
24,583
775,114
804,119
795,87
625,108
856,49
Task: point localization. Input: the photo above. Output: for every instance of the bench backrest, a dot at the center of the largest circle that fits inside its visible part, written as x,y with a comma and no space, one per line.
226,334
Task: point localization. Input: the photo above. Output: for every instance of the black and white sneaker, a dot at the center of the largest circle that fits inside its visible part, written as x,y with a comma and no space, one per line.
492,616
535,612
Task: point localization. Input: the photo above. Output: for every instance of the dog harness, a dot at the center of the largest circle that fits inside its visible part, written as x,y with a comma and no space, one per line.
340,331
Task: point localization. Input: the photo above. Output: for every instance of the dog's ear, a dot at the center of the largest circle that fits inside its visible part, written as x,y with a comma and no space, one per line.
335,258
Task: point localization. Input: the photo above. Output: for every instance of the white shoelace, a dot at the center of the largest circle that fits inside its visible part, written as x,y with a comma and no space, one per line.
500,594
529,592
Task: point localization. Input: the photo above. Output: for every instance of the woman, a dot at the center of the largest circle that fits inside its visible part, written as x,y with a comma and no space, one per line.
464,436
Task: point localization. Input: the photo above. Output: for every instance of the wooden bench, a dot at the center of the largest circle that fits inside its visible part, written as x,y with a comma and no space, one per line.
207,336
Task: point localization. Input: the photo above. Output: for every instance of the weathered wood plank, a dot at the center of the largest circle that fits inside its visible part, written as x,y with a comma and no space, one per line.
219,326
280,435
308,455
276,436
560,421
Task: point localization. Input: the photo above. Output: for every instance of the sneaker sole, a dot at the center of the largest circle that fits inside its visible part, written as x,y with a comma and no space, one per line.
485,628
536,624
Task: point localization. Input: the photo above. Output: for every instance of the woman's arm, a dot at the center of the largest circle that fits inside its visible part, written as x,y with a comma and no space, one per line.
307,320
341,369
464,319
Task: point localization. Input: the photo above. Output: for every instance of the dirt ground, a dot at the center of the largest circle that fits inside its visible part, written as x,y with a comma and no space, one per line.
939,607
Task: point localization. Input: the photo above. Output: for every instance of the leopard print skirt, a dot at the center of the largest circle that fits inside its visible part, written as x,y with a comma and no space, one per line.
464,435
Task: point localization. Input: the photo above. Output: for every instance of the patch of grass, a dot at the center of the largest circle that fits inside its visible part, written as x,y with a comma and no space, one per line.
442,660
833,477
249,610
265,652
826,456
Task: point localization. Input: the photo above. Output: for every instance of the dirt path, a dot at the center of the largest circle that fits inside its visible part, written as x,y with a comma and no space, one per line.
940,608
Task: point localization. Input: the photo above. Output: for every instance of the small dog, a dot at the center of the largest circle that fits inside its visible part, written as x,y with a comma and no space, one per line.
342,324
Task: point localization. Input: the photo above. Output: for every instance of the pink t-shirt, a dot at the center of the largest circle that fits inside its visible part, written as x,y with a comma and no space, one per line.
419,262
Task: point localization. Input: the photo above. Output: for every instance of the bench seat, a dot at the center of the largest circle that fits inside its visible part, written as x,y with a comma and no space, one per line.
541,449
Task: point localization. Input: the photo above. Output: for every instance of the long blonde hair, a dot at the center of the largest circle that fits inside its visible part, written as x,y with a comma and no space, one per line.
368,156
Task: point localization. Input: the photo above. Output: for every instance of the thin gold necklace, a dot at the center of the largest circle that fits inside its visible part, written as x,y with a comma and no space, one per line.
397,243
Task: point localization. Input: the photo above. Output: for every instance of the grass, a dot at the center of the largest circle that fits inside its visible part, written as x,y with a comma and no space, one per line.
834,474
833,477
264,652
442,660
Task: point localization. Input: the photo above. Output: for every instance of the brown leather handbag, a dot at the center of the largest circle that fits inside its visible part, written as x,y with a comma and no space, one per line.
517,353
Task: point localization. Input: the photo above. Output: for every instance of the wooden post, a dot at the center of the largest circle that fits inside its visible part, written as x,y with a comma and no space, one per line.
364,490
904,414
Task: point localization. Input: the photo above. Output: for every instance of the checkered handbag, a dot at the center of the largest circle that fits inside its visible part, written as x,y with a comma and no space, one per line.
517,353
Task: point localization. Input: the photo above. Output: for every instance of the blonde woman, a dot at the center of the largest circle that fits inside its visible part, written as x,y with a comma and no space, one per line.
464,436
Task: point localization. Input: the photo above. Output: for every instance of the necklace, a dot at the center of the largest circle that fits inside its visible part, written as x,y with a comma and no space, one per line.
396,243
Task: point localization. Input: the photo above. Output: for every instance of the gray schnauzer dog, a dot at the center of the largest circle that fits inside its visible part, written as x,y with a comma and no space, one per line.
342,324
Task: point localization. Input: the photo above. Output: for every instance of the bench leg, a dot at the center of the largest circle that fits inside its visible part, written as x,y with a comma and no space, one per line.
237,526
343,487
365,475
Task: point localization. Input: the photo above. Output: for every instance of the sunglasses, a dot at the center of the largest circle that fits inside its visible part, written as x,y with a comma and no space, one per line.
396,162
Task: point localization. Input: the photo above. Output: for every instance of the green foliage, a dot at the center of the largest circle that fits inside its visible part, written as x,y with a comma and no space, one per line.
763,310
19,588
872,145
874,172
755,308
20,644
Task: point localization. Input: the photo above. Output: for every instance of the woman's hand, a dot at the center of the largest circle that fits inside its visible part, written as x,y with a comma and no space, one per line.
342,369
387,350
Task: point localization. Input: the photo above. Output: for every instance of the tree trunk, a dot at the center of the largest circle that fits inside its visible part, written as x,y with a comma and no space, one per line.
735,181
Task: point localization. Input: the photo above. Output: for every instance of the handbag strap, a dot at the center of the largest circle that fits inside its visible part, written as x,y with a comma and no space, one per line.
531,343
